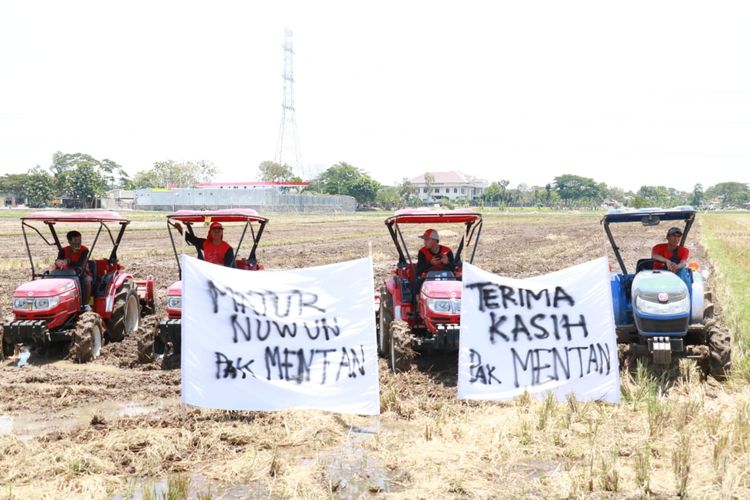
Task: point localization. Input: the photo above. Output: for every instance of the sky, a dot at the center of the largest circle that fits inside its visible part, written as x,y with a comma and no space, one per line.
627,93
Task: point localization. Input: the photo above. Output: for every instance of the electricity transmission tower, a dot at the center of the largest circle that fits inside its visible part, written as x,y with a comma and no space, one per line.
287,148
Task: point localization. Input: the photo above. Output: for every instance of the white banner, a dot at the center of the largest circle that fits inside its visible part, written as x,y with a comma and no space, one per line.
270,340
548,333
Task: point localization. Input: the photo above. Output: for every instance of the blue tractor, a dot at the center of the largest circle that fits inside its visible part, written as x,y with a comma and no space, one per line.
660,314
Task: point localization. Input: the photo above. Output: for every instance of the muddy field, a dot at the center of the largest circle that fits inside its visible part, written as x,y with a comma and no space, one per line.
115,427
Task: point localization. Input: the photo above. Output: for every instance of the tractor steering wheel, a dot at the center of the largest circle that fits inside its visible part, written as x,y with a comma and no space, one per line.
644,264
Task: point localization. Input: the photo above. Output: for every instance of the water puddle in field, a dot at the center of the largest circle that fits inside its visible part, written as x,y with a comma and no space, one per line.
31,425
23,356
193,486
352,471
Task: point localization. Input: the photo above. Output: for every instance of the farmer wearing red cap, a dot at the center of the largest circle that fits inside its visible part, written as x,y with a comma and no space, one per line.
434,256
212,249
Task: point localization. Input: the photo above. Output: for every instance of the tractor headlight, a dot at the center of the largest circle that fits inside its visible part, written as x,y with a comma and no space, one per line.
45,303
25,304
174,302
678,307
444,306
36,304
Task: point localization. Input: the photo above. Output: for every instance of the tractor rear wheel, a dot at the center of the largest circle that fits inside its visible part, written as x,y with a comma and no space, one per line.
399,352
87,338
150,345
720,350
385,318
126,313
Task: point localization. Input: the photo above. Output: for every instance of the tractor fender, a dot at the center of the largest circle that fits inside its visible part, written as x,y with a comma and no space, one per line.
390,285
619,300
697,298
114,285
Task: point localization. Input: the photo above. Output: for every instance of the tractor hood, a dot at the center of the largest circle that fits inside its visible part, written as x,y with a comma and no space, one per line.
651,285
45,288
175,289
442,289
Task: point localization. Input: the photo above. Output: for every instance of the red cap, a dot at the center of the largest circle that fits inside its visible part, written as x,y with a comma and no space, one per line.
431,234
215,225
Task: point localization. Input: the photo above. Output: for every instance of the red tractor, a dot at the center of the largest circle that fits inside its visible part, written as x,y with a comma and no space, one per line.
422,313
49,308
166,341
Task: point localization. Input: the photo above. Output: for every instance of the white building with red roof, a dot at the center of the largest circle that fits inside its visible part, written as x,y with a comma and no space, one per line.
451,185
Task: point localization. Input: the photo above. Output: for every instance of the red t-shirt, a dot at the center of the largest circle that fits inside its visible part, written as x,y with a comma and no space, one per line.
663,250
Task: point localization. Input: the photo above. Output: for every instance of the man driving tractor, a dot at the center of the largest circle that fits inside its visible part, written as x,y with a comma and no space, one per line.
672,255
212,249
434,256
74,256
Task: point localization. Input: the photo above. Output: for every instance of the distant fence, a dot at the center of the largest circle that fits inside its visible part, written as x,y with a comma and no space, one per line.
269,200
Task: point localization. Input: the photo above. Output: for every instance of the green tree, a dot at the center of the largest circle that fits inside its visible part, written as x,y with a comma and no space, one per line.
429,181
409,193
41,187
15,185
83,177
575,190
389,197
270,171
730,194
170,173
696,199
343,178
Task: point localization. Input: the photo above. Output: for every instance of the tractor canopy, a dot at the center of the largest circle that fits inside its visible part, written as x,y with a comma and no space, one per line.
647,217
51,218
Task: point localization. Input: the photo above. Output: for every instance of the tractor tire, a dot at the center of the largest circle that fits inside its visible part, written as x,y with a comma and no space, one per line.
385,318
170,361
126,314
87,338
399,353
150,346
720,350
7,349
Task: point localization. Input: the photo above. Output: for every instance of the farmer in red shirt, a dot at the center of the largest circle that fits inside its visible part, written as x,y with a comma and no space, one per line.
74,256
434,256
672,255
212,249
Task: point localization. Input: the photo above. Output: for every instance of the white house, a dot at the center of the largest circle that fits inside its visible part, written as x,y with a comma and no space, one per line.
452,185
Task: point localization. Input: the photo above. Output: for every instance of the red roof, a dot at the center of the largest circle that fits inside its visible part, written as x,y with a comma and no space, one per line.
427,216
257,184
223,215
75,216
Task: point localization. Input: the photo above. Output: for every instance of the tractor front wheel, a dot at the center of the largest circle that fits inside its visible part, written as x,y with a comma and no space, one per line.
126,313
150,345
8,349
87,338
385,318
720,350
398,347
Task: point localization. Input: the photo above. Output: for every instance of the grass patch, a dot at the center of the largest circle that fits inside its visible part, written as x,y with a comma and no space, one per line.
726,237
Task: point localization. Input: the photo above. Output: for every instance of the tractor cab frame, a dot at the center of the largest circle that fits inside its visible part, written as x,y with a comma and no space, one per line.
425,309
